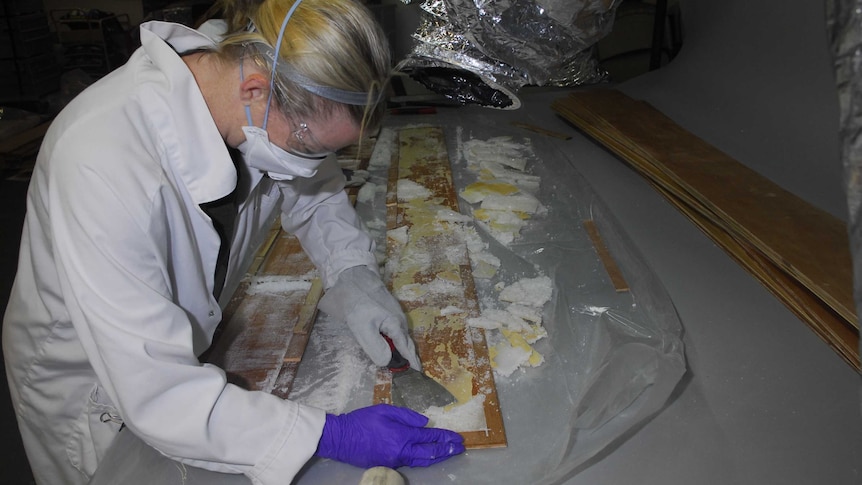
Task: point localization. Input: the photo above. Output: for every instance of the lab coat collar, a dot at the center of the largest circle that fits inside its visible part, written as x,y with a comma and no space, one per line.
199,154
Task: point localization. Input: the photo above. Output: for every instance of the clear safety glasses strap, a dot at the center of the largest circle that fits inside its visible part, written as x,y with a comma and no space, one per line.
275,61
358,98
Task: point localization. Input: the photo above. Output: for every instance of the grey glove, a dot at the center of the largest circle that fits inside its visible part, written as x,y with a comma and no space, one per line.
359,298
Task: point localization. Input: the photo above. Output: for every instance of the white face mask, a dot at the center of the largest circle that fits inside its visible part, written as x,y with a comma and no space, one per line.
260,153
279,164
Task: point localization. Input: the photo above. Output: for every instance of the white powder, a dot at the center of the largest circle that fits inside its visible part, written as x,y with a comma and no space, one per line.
450,310
531,314
500,150
398,235
529,291
368,192
486,257
411,292
456,254
485,264
408,190
438,286
509,358
378,225
382,155
445,287
340,368
448,215
504,238
524,182
485,322
493,318
594,310
469,416
471,238
522,202
277,284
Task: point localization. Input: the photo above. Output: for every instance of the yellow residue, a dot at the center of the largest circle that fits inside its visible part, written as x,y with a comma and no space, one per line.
453,275
484,270
486,215
460,385
506,227
518,341
485,174
482,214
477,191
422,317
535,333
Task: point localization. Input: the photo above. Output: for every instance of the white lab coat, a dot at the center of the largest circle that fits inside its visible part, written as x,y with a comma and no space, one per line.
113,301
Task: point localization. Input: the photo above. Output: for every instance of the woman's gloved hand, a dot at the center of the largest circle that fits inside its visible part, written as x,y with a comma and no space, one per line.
385,435
359,298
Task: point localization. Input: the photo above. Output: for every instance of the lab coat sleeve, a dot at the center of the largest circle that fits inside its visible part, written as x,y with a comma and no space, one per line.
112,239
318,212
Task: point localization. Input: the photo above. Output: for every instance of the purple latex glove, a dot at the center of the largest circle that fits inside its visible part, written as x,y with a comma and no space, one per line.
385,435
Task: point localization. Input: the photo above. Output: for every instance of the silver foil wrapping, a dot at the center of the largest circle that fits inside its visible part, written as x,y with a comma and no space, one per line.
844,23
484,51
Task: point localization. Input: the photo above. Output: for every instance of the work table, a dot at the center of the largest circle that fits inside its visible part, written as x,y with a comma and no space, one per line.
763,399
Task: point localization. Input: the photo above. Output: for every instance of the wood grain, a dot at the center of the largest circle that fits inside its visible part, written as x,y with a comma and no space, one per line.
541,131
259,337
614,272
448,348
799,252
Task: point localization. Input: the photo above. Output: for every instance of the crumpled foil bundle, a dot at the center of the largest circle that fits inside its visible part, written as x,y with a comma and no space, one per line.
484,51
844,25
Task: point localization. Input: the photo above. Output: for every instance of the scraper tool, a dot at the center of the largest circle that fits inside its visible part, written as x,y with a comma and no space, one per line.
413,389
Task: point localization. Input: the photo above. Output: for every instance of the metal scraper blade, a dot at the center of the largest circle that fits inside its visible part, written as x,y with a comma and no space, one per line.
414,390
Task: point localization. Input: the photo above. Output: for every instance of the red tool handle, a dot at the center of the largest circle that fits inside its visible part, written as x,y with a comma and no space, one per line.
398,362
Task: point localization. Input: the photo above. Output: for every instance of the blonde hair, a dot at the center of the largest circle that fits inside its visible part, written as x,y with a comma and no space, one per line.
333,43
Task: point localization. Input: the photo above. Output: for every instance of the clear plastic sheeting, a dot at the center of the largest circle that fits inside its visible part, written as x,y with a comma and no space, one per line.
612,358
844,22
483,51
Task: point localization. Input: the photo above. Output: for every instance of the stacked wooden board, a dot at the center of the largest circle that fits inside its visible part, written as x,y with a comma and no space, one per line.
452,353
800,253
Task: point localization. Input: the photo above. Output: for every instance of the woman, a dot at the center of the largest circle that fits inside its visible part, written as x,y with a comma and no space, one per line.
139,221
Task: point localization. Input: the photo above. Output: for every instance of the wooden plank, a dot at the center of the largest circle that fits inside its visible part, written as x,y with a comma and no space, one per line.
808,243
823,301
287,258
304,322
309,308
541,131
284,382
452,353
614,272
821,318
296,347
252,347
258,337
264,249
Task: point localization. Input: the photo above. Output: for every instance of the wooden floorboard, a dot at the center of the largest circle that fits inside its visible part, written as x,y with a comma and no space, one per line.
452,353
